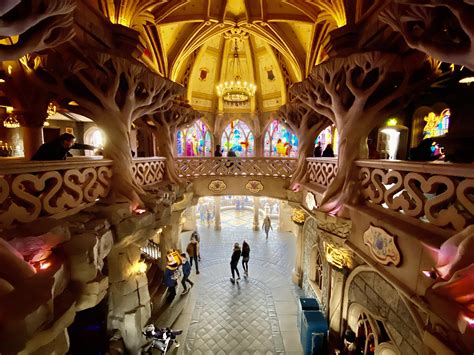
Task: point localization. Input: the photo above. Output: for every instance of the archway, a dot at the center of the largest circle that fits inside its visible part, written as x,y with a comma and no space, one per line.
239,138
94,136
279,141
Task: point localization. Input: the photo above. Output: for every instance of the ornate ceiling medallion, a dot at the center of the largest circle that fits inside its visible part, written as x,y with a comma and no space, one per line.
382,246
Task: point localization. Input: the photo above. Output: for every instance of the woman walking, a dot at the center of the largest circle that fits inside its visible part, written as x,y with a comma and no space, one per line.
267,225
234,262
245,258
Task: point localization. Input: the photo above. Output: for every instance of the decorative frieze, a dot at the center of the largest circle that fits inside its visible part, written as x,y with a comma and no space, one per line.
382,246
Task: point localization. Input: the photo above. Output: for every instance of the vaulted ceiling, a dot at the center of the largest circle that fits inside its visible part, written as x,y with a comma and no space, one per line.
280,40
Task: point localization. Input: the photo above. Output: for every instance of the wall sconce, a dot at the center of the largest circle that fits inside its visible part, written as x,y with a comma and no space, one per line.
11,122
298,216
140,267
338,257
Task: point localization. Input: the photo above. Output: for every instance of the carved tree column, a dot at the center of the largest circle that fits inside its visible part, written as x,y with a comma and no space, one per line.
256,213
217,210
357,93
32,140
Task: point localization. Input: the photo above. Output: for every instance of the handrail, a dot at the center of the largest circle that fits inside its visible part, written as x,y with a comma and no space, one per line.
322,171
193,167
437,193
51,188
149,171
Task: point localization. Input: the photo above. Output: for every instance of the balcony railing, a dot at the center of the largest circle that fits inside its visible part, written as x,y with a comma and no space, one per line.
149,171
438,193
321,171
201,166
29,190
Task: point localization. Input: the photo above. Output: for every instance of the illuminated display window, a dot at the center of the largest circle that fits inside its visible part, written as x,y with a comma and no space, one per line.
328,136
238,138
280,141
436,125
194,141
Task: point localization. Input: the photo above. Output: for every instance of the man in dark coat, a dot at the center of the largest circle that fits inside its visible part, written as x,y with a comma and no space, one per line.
58,148
234,261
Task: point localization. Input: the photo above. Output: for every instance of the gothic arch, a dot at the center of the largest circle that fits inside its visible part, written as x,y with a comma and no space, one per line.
369,290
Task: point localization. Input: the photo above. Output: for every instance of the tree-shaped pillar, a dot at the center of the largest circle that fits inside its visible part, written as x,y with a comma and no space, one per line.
443,29
357,93
307,124
113,92
166,125
35,25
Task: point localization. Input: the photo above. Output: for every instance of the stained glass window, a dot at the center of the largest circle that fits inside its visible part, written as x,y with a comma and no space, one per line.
193,141
436,125
238,138
280,141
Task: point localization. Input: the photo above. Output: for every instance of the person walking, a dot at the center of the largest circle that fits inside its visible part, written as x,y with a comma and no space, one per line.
186,272
234,262
193,251
170,280
196,236
267,225
245,257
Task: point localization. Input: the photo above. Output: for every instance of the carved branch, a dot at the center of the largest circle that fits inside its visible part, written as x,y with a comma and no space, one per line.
441,29
39,24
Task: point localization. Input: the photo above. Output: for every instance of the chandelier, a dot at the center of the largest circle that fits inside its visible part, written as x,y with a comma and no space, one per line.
236,92
11,122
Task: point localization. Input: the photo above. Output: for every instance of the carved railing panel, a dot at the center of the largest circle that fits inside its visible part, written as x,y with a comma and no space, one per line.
321,171
440,194
39,189
148,171
197,166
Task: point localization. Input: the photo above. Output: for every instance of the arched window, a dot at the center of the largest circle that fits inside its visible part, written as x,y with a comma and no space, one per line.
436,125
195,140
238,138
280,141
94,136
328,136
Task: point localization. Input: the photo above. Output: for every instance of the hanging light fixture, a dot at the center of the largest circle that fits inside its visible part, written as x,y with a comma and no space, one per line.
11,121
51,110
236,92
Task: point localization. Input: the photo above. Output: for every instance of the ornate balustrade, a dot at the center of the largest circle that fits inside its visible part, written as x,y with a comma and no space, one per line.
193,167
438,193
29,190
321,171
149,171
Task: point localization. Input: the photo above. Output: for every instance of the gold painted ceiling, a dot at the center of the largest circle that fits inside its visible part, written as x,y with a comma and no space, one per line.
190,41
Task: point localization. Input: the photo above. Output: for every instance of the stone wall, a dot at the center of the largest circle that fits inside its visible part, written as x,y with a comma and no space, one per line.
382,300
311,235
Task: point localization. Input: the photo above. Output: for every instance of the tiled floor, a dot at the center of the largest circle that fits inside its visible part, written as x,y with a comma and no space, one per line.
256,315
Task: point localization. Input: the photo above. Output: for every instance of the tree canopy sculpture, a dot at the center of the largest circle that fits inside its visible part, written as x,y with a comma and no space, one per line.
357,93
166,123
39,24
443,29
307,124
113,92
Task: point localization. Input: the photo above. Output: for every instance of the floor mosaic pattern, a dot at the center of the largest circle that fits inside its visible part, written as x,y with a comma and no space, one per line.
255,316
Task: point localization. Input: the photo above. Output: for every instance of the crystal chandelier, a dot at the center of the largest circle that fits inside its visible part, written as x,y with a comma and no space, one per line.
11,122
236,92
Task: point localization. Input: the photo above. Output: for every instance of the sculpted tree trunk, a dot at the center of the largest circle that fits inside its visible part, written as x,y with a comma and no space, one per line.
307,124
39,24
113,92
443,29
166,124
357,93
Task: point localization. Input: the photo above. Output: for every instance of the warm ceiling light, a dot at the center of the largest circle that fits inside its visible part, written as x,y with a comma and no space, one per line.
236,92
11,122
73,103
2,80
467,80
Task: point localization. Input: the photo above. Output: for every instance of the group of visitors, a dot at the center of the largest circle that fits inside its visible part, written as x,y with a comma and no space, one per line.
183,266
328,152
238,252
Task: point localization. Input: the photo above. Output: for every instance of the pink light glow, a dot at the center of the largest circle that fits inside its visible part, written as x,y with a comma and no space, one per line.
429,273
469,320
139,211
